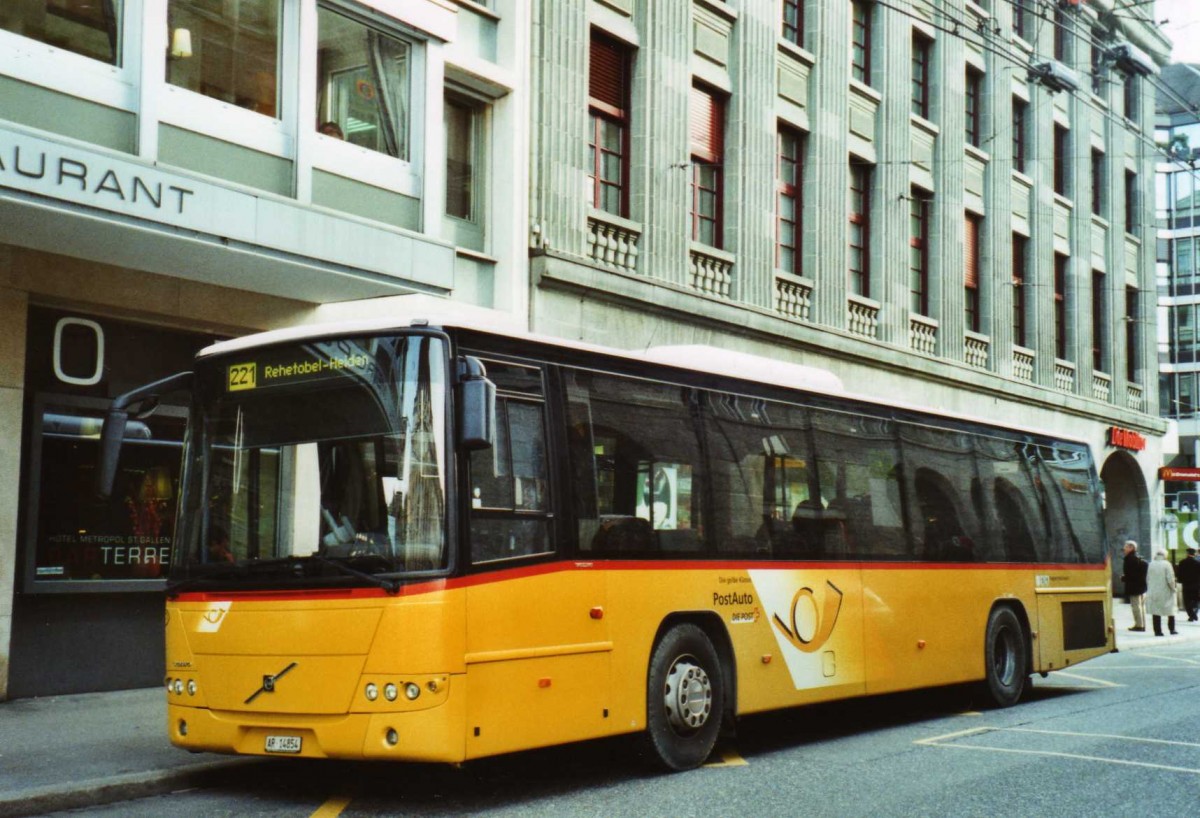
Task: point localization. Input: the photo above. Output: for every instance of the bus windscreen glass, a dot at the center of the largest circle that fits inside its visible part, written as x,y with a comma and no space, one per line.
314,464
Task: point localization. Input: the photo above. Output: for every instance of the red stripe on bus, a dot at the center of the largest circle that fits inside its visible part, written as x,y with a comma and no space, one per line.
431,586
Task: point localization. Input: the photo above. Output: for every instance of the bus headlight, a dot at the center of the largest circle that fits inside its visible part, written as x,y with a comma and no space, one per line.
412,690
191,687
372,692
390,692
177,688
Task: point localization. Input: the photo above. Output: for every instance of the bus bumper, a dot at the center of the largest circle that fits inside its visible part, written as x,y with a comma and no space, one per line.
436,734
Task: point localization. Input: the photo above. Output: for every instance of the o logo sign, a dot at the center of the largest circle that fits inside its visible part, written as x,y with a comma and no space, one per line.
811,625
90,327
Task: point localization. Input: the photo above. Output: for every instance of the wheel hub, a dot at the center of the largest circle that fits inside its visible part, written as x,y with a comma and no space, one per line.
687,695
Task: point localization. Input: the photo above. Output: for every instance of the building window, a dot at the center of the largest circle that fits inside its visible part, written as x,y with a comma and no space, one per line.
463,121
707,143
793,21
232,51
971,270
1020,22
1097,182
922,51
860,41
364,84
1099,310
1020,109
1131,334
92,29
918,251
1062,137
608,136
974,106
789,201
1020,250
1131,201
1131,99
1061,35
1060,305
859,280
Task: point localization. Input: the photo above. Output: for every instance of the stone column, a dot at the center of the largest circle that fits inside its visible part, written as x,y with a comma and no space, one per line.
13,312
946,273
826,175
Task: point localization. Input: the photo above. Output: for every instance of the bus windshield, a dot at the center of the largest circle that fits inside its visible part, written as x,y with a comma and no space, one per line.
316,463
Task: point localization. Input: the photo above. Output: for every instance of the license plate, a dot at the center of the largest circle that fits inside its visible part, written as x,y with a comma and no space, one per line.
283,744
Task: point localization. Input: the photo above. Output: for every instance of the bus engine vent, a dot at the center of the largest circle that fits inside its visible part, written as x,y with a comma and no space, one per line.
1083,625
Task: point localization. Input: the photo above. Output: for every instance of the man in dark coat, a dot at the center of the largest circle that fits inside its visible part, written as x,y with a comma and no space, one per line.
1188,574
1134,577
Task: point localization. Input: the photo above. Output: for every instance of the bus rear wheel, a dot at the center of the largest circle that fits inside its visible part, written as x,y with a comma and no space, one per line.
1006,660
685,698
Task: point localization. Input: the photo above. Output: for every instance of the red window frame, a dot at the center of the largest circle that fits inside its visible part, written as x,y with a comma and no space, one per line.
789,189
608,107
971,228
1020,249
860,41
859,274
707,129
918,256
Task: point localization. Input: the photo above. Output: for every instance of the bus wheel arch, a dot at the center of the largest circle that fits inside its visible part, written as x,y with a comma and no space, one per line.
1007,653
689,690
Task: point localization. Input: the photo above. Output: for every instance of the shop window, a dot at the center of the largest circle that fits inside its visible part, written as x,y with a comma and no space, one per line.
126,537
227,51
91,28
364,85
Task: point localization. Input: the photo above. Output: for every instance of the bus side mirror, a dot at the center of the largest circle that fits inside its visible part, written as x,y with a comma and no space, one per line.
476,406
112,435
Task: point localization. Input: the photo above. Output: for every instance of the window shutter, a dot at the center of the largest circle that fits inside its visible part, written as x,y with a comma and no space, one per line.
706,125
971,243
606,77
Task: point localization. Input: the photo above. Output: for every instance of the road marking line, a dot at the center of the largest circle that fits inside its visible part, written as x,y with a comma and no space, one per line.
958,734
729,758
1098,735
1172,658
1075,756
333,807
1091,679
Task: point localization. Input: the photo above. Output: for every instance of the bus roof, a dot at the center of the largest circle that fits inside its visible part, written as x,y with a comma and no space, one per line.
694,357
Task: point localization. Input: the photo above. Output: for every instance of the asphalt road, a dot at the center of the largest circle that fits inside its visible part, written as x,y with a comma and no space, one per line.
1117,736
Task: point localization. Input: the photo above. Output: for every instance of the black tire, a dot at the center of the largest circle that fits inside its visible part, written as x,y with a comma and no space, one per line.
685,699
1006,658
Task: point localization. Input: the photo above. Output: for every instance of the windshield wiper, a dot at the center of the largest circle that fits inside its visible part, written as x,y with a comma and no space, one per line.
389,585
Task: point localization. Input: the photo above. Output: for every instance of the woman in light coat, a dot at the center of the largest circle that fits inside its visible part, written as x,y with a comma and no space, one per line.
1160,593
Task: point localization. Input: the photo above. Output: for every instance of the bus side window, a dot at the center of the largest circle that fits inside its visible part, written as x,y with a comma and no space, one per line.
508,483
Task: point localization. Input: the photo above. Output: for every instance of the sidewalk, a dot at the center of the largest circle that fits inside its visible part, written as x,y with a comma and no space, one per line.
66,752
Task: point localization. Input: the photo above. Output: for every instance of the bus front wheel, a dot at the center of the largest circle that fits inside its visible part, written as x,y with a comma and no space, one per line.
685,698
1005,658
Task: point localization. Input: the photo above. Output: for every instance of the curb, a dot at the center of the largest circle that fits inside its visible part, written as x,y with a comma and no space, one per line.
111,789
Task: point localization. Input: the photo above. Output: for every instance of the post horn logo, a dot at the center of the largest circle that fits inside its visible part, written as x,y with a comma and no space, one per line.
823,622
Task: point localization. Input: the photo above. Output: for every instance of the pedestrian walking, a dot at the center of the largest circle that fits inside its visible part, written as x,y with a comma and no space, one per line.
1188,574
1134,577
1160,593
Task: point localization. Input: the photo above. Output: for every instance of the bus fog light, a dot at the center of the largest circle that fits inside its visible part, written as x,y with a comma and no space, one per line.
372,692
191,687
170,683
393,738
432,686
177,688
412,690
390,692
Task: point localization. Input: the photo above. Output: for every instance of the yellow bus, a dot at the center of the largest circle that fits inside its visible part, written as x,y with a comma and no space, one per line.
429,541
